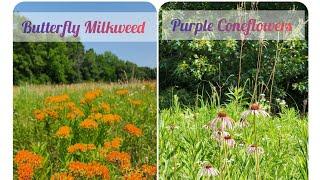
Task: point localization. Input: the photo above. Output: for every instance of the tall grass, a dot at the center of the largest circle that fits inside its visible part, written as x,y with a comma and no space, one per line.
185,143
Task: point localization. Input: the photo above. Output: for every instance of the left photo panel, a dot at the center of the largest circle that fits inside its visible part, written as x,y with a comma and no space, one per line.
84,95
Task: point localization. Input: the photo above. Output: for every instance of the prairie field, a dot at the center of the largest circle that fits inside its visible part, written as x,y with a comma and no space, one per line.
262,146
85,131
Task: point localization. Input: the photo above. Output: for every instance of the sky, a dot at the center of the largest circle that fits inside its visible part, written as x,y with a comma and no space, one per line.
141,53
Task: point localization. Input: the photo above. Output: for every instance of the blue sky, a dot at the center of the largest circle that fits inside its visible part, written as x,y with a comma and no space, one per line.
141,53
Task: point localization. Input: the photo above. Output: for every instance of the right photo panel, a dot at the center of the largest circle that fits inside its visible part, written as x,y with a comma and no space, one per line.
233,90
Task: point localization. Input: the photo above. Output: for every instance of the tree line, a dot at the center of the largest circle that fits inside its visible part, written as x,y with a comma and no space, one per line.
69,62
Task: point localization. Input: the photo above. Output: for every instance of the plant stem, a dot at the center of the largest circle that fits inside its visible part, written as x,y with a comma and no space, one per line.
256,151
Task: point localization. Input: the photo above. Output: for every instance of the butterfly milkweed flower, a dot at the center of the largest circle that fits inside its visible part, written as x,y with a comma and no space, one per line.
105,107
79,147
229,141
123,158
91,96
135,175
252,149
221,121
27,162
74,111
255,110
57,99
39,115
110,118
89,170
115,143
89,124
150,170
208,170
132,129
63,132
122,92
61,176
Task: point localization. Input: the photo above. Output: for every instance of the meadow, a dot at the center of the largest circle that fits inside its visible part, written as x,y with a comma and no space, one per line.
85,131
249,142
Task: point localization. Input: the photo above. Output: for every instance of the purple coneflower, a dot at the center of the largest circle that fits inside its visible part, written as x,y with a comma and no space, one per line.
254,149
208,170
229,141
255,110
221,121
219,134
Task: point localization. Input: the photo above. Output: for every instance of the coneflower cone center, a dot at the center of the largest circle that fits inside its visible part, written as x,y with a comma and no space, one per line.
254,106
208,166
227,137
222,114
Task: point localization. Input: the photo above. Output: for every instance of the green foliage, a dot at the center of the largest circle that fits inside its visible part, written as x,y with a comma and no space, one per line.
195,65
184,143
68,62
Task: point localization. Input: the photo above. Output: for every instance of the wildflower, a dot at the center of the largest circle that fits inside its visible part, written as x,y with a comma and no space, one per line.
79,147
90,96
89,170
115,143
221,121
39,115
229,141
208,170
219,135
61,176
51,112
122,158
150,170
27,162
63,132
89,124
255,110
110,118
57,99
254,149
105,107
74,111
132,129
27,157
243,123
25,172
134,175
122,92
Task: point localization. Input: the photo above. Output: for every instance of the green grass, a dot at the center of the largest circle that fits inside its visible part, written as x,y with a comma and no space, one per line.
39,136
283,137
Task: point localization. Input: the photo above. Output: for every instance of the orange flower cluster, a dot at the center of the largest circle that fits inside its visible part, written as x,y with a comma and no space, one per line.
27,162
74,111
105,107
89,170
95,116
63,132
132,129
134,175
57,99
122,92
40,115
115,143
110,118
90,96
123,158
79,147
150,170
61,176
136,102
89,124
